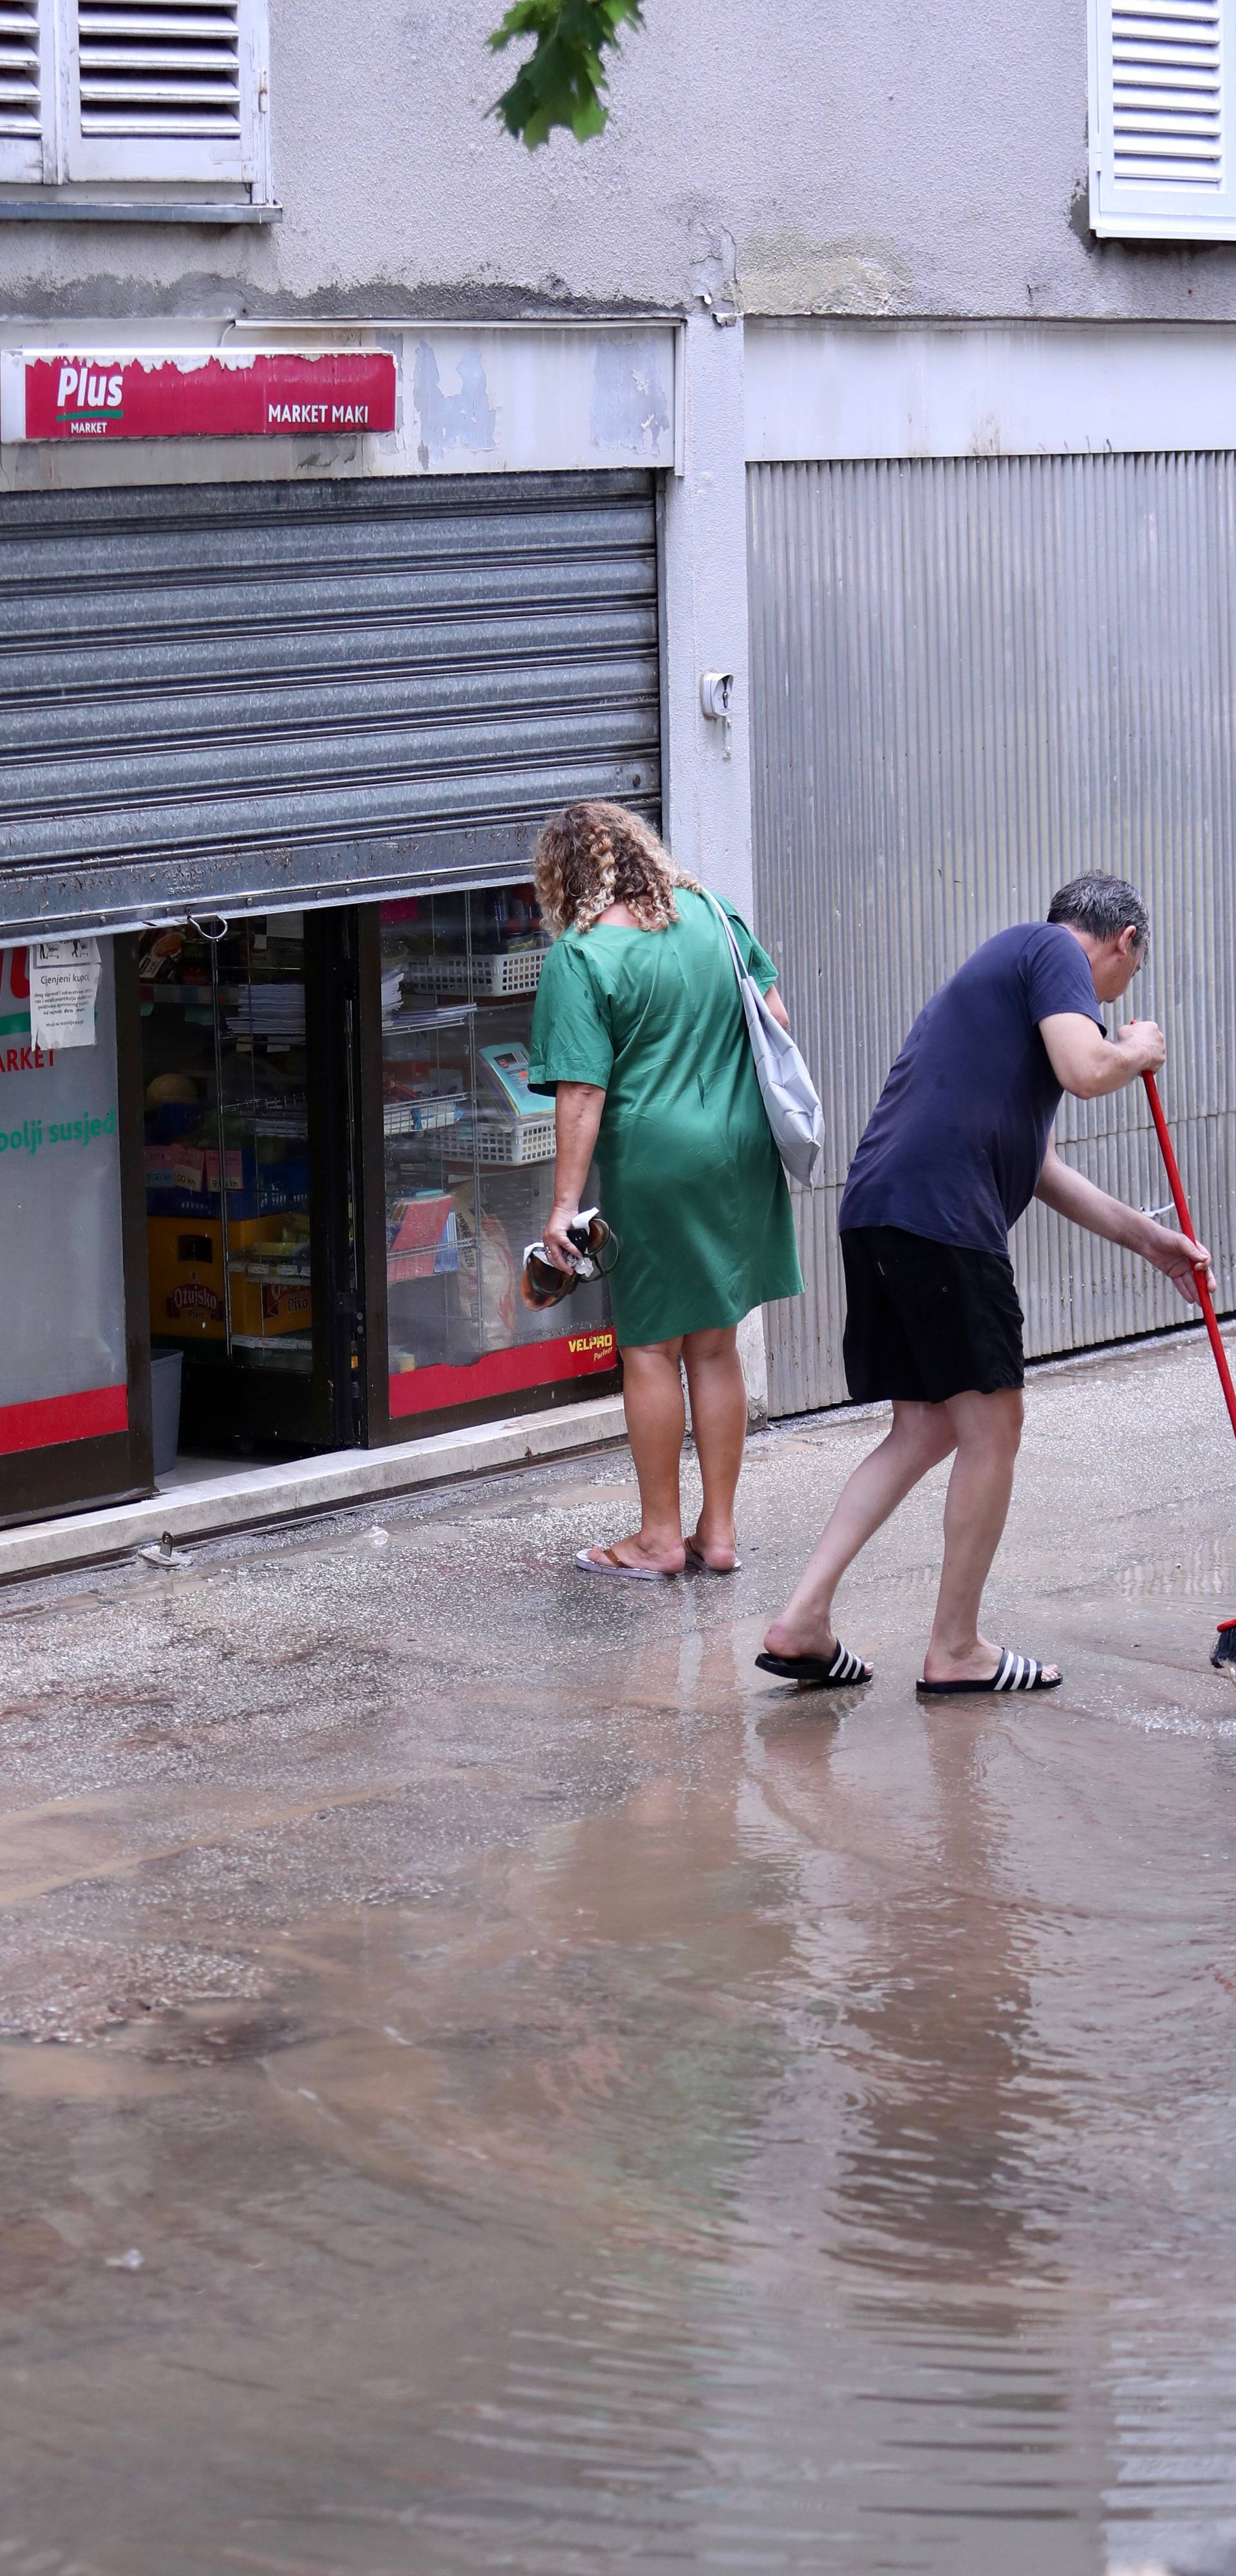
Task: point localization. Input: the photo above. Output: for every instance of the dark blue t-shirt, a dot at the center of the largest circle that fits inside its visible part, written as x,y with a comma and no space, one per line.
956,1141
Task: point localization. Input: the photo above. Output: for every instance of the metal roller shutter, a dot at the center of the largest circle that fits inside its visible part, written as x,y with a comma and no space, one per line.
255,694
972,681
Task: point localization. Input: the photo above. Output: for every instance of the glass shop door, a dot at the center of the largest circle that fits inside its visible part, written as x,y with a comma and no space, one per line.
250,1234
459,1171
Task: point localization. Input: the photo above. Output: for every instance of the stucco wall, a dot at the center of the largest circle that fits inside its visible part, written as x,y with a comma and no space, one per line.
812,155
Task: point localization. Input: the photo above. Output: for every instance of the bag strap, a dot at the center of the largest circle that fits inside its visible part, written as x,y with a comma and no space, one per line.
743,972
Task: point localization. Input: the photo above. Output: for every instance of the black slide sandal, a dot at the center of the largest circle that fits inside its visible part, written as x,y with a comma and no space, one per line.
841,1672
1012,1673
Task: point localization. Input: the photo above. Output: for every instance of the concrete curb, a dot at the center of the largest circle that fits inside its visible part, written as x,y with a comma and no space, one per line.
257,1494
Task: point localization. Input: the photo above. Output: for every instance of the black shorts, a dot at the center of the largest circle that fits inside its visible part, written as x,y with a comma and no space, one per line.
926,1320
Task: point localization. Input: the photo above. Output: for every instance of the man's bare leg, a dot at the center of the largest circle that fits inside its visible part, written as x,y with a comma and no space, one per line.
987,1430
922,1434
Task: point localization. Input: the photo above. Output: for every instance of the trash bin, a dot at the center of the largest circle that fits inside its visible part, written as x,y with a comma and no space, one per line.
165,1367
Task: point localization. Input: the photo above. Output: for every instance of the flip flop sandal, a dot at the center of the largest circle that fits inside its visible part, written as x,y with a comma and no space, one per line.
699,1564
608,1563
837,1672
1012,1673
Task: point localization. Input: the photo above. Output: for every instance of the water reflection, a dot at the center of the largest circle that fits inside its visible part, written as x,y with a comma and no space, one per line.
810,2151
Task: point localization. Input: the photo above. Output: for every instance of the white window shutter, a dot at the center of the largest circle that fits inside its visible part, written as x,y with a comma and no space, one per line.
164,89
1162,132
27,90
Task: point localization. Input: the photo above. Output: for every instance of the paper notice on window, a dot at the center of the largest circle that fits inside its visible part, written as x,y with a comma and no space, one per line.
64,981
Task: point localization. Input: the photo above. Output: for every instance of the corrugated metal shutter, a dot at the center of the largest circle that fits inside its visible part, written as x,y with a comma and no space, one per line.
260,693
972,681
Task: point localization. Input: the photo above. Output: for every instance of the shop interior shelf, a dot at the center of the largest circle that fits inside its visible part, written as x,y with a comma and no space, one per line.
270,1270
197,994
278,1349
441,1015
506,1140
416,1117
513,970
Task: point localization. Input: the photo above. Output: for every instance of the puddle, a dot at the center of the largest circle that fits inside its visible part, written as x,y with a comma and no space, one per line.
768,2171
1205,1572
493,2083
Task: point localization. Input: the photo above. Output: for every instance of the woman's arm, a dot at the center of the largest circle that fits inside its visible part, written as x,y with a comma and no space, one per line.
577,1117
777,1006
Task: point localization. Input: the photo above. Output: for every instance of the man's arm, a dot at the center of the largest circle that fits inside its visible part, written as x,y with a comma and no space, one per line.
1072,1196
1089,1064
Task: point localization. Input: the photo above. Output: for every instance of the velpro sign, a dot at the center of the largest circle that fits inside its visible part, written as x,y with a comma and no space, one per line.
221,393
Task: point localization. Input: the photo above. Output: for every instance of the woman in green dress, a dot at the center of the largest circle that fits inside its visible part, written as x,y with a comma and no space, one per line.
639,1030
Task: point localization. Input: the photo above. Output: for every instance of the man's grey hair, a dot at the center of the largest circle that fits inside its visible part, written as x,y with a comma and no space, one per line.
1104,906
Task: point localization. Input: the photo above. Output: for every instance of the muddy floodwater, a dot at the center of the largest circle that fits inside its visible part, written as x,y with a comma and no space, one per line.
488,2080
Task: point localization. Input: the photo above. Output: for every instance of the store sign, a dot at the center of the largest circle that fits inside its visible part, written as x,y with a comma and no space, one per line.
228,393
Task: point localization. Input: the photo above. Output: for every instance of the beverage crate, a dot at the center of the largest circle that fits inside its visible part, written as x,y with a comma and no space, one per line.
415,1117
515,970
506,1140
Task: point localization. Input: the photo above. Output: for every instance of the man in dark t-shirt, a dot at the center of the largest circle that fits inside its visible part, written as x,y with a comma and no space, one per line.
957,1146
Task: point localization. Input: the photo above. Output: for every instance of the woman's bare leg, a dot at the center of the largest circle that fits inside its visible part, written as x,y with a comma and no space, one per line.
719,1427
922,1434
656,1425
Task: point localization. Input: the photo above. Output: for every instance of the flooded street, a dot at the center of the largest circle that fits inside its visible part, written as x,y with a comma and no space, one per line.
492,2081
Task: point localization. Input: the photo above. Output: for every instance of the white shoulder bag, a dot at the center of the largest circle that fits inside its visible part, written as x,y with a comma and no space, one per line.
792,1104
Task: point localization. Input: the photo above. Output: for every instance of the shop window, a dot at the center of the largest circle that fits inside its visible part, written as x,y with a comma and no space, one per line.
137,91
469,1158
63,1368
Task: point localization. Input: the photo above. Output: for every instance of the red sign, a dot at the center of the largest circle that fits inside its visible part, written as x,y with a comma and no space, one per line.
53,1419
427,1390
234,393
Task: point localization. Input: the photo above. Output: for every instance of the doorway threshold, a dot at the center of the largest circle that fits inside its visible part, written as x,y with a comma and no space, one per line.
225,1497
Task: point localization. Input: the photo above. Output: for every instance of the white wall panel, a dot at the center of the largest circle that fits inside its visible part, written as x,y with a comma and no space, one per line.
825,390
970,682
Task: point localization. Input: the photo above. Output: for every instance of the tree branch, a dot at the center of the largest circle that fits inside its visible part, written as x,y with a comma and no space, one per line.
563,81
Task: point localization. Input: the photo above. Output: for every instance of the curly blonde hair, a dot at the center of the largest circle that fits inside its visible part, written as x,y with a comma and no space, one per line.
592,855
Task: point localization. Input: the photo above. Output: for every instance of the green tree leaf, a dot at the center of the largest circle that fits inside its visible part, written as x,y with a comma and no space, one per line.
563,81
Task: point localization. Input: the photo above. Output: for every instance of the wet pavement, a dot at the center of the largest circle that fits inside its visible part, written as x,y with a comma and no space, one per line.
488,2080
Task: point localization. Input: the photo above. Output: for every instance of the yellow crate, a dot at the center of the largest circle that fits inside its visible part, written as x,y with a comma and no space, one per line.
185,1261
184,1256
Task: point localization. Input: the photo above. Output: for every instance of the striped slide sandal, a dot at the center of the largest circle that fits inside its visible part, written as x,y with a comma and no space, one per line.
1012,1673
838,1671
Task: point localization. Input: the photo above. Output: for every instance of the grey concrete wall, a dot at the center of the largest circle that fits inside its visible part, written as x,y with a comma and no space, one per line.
805,155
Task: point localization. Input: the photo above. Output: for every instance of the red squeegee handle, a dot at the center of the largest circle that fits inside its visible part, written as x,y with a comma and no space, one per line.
1176,1186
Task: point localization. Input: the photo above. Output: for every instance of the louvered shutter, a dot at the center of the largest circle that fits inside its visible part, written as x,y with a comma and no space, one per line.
27,90
164,89
1161,125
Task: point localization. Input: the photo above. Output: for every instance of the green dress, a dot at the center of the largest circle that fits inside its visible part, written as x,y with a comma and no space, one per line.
691,1180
